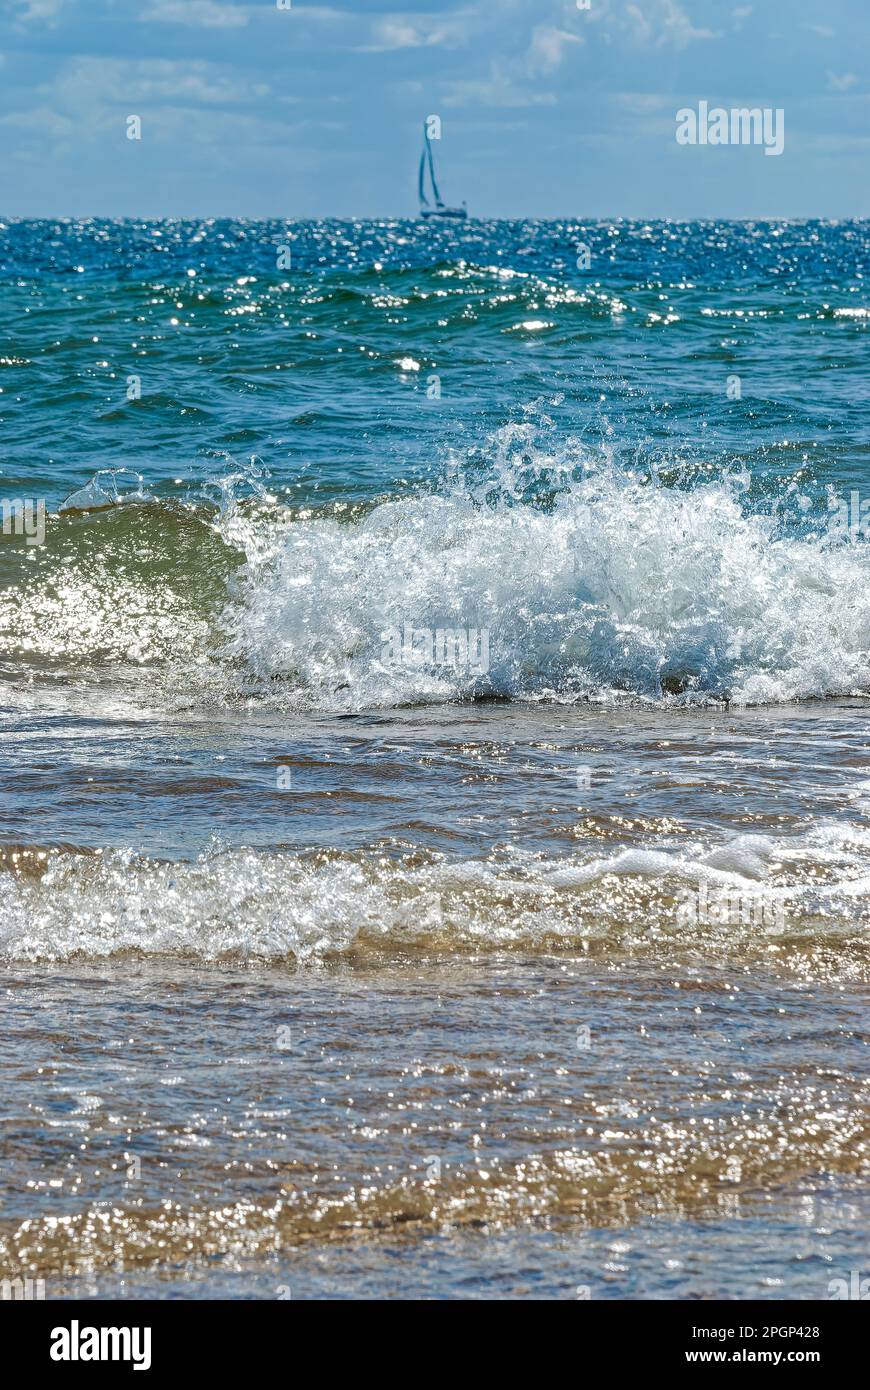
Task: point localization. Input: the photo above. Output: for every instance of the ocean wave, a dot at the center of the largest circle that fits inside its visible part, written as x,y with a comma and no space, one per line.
799,904
536,570
590,582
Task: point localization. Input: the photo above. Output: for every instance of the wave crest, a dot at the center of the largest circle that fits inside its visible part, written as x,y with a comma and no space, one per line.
589,582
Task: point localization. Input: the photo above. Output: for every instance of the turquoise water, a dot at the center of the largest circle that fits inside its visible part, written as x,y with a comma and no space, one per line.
333,964
320,369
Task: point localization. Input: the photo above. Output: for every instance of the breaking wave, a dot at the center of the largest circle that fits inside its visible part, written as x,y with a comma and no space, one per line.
260,907
533,571
589,583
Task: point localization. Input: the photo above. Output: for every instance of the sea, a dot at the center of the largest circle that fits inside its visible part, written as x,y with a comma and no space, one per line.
435,800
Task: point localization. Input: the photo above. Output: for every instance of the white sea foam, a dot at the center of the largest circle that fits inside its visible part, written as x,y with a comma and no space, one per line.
590,583
582,580
262,906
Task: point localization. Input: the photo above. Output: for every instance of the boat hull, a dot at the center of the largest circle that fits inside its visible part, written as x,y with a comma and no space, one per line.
452,214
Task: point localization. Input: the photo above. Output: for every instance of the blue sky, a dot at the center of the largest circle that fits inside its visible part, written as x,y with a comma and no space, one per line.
547,110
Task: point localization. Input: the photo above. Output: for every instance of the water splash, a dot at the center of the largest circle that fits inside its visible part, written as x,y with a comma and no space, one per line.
591,581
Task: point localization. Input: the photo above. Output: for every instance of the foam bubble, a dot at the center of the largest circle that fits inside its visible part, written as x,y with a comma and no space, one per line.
259,906
589,582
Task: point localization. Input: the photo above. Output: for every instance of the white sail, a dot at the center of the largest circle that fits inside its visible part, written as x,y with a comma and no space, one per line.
440,209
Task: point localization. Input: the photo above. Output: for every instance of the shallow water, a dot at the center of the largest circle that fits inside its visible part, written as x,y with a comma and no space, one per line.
245,1130
326,973
433,990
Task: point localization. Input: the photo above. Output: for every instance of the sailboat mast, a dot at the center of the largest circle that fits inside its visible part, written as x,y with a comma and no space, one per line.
426,208
424,201
432,167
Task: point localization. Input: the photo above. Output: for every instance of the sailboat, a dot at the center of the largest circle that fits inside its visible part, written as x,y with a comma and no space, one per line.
440,209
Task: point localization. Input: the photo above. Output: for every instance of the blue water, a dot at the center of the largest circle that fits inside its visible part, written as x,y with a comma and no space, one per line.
303,367
365,974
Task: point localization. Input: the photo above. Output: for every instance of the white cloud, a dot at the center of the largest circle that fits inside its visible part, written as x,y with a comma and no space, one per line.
418,31
839,145
509,79
36,10
96,92
498,90
547,48
41,120
196,14
390,34
322,13
841,82
662,22
642,103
